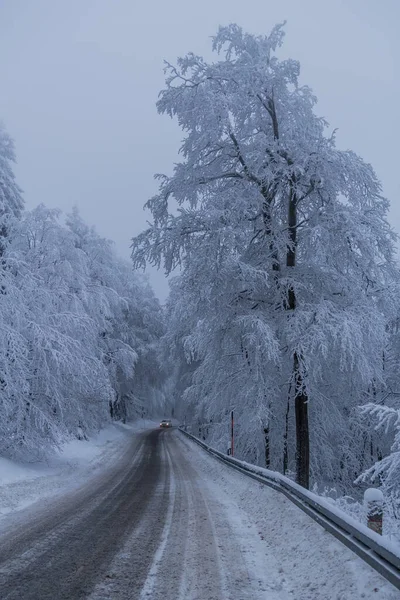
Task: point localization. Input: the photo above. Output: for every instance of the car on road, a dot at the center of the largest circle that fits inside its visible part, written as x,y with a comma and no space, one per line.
166,423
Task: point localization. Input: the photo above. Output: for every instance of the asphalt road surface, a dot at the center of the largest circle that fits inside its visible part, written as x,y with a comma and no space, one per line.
143,530
169,522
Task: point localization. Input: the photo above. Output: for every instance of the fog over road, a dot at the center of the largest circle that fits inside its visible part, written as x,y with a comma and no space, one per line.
163,524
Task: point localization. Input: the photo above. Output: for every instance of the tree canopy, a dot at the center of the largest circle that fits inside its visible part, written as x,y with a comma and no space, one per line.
286,257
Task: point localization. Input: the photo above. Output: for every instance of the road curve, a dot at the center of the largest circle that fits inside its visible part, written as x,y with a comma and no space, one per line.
143,530
63,552
169,523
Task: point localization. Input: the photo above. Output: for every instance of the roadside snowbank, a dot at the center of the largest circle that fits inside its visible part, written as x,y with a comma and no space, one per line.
352,513
312,564
22,484
356,510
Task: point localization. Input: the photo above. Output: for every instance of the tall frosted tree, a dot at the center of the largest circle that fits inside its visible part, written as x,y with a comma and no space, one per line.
11,202
282,238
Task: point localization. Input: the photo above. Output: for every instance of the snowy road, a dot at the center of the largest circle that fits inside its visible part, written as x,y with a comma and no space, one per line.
171,522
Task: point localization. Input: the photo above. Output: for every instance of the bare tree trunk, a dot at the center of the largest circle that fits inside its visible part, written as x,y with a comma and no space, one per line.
302,430
267,447
286,436
301,396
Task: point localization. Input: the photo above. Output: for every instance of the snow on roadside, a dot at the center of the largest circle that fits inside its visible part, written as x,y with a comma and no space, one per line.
22,484
313,565
356,510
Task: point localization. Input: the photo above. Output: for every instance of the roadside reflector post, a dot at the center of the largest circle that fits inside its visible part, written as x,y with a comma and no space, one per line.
373,504
232,435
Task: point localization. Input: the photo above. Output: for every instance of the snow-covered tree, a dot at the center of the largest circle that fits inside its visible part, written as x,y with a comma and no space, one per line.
386,471
75,323
282,239
68,385
130,320
11,202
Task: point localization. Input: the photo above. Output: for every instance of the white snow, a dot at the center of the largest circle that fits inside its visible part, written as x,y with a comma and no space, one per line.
297,556
22,484
148,585
373,495
264,543
391,544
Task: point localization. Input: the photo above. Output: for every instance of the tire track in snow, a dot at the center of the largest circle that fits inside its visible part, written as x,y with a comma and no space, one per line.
25,538
149,583
232,576
78,554
169,524
202,574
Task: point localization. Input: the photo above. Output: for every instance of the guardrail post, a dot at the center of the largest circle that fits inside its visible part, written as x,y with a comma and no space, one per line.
373,503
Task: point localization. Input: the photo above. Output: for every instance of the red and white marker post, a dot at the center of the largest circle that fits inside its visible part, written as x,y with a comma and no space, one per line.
232,434
373,503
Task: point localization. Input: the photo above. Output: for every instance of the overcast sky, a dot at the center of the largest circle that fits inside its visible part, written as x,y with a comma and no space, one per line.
79,80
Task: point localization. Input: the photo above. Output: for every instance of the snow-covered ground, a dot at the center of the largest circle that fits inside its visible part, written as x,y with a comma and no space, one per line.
292,556
356,510
22,484
160,518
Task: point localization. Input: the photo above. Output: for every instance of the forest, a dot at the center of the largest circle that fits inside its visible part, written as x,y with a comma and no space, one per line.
284,290
79,329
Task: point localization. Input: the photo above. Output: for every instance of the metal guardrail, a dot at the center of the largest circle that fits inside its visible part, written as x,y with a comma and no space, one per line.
365,544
